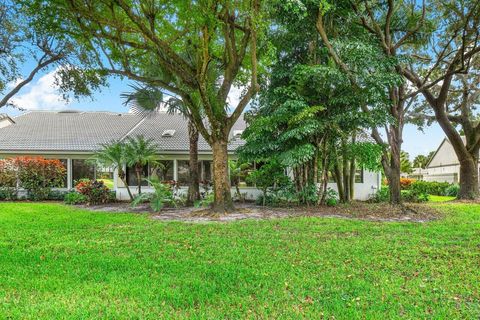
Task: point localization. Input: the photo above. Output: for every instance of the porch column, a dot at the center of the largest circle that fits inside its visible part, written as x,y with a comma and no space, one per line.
175,170
69,174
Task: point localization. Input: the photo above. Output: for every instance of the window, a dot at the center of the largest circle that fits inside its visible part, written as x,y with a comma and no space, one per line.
359,176
205,171
132,176
82,169
183,175
164,172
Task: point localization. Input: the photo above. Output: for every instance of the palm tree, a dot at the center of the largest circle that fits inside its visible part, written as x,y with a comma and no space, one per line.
145,101
140,152
113,155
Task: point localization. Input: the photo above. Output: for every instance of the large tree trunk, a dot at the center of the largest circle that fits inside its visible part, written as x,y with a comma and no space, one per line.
468,178
194,185
221,183
393,177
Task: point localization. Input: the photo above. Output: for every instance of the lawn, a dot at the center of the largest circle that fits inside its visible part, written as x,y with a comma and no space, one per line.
59,262
434,198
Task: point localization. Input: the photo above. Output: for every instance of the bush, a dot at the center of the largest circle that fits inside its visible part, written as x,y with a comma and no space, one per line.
382,195
430,187
452,190
94,191
406,183
8,193
38,175
74,198
159,198
56,195
8,175
331,197
412,196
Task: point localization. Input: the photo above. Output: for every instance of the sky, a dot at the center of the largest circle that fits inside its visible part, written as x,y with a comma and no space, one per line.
41,94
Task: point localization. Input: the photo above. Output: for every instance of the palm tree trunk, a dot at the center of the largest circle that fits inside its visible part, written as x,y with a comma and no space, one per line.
121,176
138,171
194,185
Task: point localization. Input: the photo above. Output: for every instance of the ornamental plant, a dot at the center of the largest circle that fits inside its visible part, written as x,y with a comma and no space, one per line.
38,175
95,192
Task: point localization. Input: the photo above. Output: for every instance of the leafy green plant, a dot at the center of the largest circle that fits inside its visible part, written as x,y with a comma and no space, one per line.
430,187
95,191
270,176
452,190
161,196
74,198
331,197
382,195
57,195
8,193
413,196
205,202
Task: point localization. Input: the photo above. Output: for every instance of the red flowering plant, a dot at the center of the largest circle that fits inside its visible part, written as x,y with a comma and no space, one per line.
38,175
95,191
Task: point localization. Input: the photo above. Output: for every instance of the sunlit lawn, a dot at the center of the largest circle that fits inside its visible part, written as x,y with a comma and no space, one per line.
59,262
433,198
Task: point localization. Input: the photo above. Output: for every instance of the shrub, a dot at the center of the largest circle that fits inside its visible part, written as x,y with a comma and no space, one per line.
412,196
95,191
452,190
159,198
406,183
74,198
382,195
430,187
8,175
56,195
8,193
331,197
38,175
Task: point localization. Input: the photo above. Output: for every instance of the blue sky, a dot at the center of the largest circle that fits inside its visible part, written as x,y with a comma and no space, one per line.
41,94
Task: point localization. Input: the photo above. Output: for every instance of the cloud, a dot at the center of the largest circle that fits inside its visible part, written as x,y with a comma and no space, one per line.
40,95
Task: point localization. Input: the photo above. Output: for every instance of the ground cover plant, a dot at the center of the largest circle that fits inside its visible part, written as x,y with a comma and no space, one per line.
63,262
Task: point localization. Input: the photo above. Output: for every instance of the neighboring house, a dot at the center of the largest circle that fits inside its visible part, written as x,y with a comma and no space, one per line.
74,136
444,165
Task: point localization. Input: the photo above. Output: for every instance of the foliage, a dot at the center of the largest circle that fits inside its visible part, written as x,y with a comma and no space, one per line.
430,187
452,190
114,155
205,202
414,196
140,152
331,198
94,191
161,196
8,193
406,183
73,198
270,176
8,175
405,164
57,195
382,195
421,161
38,175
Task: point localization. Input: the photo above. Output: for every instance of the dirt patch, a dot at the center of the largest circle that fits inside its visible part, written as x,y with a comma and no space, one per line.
355,210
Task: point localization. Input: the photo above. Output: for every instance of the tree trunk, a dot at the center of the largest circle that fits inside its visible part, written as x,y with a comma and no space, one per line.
194,185
138,171
352,179
121,176
468,179
221,183
339,180
394,179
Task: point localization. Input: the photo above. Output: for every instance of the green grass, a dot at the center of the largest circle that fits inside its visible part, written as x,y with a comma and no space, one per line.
433,198
59,262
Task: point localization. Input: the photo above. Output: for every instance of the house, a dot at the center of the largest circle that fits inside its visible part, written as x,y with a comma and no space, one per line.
74,136
444,165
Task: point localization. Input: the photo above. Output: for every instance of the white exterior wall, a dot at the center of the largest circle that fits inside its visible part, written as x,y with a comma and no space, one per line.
372,182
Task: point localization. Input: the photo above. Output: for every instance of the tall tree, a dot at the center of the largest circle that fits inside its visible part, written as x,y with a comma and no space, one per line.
447,74
386,25
28,48
202,49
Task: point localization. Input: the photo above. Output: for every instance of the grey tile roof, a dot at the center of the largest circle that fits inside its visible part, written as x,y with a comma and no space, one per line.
87,131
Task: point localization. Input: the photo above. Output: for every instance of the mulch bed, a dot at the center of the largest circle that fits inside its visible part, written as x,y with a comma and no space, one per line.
356,210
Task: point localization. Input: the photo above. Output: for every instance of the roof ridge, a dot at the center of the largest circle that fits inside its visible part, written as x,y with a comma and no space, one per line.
133,128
